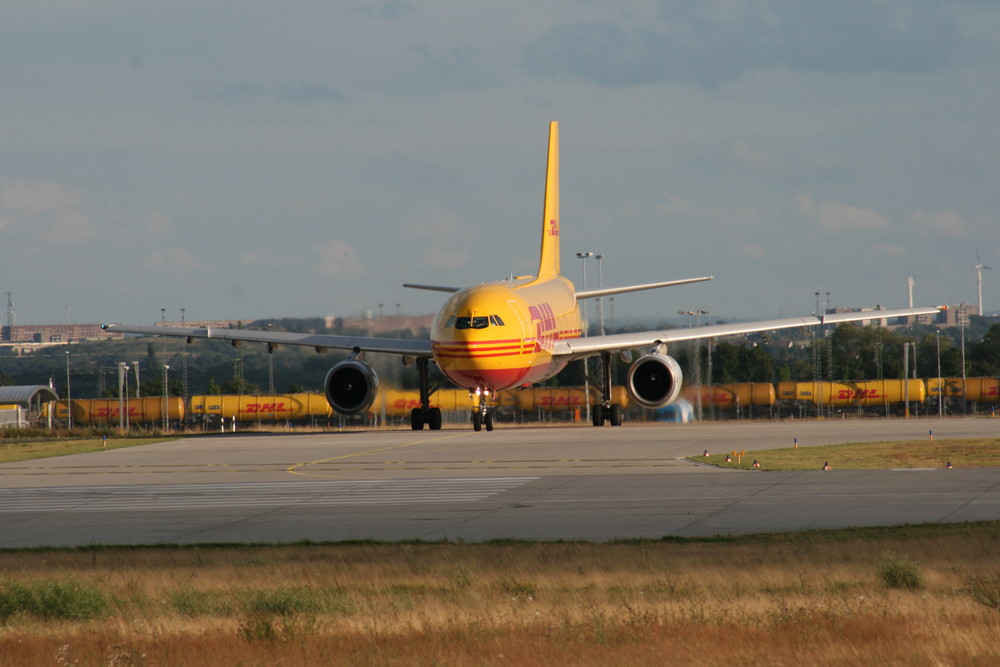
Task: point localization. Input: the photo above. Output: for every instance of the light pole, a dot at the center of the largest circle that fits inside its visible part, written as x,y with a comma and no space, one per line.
695,357
583,262
585,325
600,284
69,396
166,398
184,367
135,365
965,405
122,388
270,366
937,336
708,320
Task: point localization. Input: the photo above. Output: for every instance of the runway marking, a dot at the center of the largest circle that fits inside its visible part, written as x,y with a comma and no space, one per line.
296,469
253,494
338,464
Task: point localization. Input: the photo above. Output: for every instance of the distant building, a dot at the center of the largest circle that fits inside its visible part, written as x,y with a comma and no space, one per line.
949,316
54,333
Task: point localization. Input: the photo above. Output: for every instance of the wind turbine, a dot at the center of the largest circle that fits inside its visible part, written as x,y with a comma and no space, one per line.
979,279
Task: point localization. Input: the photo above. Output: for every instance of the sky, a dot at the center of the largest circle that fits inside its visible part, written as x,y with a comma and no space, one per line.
256,159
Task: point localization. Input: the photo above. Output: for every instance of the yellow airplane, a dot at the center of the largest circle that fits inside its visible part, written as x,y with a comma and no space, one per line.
514,333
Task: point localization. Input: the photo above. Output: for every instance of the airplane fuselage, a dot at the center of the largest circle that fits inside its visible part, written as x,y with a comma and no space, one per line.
500,335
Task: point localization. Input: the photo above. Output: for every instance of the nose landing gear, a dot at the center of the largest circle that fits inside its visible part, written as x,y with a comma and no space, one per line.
482,415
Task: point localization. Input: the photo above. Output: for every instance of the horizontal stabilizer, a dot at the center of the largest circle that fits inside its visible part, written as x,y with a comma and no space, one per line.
432,288
607,291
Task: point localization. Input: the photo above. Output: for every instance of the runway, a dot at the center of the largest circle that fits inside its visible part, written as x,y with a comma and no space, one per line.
564,483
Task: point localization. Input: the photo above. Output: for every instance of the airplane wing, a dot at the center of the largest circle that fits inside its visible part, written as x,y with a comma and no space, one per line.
321,342
577,348
607,291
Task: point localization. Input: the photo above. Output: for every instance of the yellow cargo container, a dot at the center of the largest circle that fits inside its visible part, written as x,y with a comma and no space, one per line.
558,399
732,395
262,408
106,411
982,390
399,402
848,394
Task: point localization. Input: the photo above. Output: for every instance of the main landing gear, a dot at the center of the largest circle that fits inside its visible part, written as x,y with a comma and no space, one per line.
482,415
606,411
425,414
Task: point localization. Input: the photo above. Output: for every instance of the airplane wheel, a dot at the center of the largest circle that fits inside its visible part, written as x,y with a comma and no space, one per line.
477,421
434,419
597,412
417,419
489,420
616,414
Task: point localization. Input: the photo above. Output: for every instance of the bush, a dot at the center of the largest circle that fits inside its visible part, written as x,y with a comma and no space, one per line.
898,573
284,601
53,599
985,590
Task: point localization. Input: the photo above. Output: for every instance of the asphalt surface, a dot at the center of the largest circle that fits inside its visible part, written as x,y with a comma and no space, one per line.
573,483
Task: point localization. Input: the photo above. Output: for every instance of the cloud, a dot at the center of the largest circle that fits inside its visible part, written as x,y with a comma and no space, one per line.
158,224
750,158
889,249
673,206
451,236
302,93
443,259
835,217
944,223
712,43
175,259
52,213
391,11
753,250
338,259
262,257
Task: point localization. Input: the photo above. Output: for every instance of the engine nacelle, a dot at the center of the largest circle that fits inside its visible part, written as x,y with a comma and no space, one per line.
350,386
654,380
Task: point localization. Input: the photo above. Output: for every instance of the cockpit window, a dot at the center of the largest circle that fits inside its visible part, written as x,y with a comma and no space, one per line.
479,322
495,319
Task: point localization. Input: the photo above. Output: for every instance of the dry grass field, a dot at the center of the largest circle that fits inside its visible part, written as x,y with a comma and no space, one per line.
923,595
960,452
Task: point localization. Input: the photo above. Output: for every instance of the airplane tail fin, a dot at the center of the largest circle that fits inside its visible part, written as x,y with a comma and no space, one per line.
548,265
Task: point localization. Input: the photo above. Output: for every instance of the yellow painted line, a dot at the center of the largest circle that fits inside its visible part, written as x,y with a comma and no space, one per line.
296,469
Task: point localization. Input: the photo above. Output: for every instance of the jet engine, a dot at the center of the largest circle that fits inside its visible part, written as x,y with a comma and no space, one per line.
350,386
654,380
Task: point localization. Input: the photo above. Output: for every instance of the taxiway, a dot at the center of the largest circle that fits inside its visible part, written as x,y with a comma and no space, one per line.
567,483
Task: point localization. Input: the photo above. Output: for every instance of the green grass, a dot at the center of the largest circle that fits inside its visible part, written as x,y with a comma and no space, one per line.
12,451
961,453
50,599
